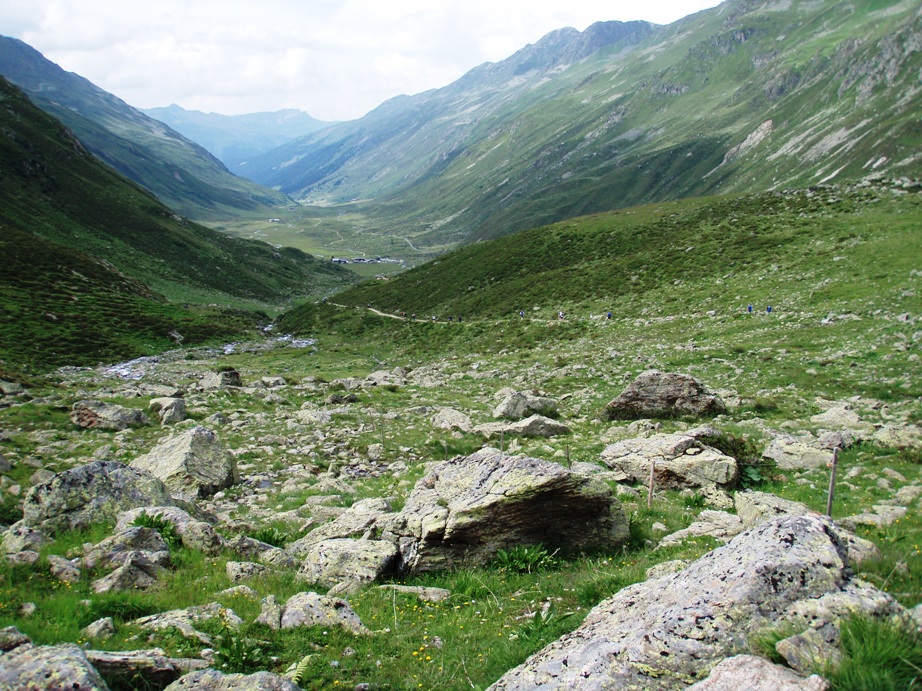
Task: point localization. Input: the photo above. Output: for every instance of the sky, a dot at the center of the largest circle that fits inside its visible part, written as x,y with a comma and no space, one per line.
335,59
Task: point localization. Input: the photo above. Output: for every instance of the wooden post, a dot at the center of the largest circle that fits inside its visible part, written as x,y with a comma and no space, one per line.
650,488
502,441
568,455
832,482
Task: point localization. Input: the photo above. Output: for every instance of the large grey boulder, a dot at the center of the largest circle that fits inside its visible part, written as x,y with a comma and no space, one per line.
680,461
656,394
668,632
212,680
310,609
468,508
360,561
93,493
41,668
102,415
115,550
516,405
449,418
137,572
803,452
192,464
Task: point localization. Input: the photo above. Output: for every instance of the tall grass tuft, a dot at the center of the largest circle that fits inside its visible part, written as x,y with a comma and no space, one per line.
879,655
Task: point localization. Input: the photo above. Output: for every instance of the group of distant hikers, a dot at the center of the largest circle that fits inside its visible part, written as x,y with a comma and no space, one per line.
560,315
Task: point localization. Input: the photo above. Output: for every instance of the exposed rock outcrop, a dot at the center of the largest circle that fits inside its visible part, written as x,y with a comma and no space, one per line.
102,415
360,561
515,405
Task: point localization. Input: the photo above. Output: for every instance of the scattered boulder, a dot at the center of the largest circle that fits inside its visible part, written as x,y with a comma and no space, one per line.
516,405
101,629
185,620
238,571
93,493
680,461
136,572
665,633
11,637
192,464
719,525
19,538
63,569
449,418
31,667
102,415
756,674
169,410
358,521
422,592
534,426
803,452
655,394
195,534
220,380
116,549
212,680
468,508
152,665
312,609
332,561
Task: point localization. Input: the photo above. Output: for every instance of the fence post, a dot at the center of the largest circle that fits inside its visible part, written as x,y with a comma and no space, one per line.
832,481
650,488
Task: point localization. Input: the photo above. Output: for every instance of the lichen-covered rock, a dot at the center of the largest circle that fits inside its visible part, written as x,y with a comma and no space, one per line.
468,508
754,508
169,410
534,426
803,452
212,680
449,418
94,493
358,521
333,561
238,571
680,461
137,572
195,534
192,464
516,405
11,637
655,394
63,569
20,537
220,380
185,620
42,668
102,415
756,674
312,609
668,632
115,550
719,525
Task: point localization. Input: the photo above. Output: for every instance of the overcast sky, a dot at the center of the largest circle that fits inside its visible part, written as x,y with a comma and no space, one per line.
335,59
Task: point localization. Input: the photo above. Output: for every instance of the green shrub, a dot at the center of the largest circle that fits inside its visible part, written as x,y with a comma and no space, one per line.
271,536
525,559
878,655
166,528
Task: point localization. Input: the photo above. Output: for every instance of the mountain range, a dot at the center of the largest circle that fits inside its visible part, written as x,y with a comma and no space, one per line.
235,138
180,172
751,95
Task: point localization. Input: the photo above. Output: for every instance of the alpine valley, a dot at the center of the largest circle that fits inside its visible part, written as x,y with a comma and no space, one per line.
615,383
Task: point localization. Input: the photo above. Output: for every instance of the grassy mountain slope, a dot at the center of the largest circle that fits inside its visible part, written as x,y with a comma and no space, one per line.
828,260
182,174
235,138
89,256
745,97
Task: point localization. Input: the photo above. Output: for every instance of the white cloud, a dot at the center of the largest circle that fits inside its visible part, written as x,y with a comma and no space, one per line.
335,59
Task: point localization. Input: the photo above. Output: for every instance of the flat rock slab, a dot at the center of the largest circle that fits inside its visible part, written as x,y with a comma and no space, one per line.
670,632
212,680
680,461
333,561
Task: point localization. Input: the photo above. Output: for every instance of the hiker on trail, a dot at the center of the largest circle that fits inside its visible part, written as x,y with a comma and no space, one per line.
608,316
768,309
522,313
560,314
750,309
450,318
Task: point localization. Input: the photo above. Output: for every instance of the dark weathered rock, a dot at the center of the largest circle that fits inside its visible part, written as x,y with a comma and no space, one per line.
669,632
192,464
47,667
656,394
115,550
137,572
516,405
102,415
11,637
219,380
93,493
467,509
169,410
152,667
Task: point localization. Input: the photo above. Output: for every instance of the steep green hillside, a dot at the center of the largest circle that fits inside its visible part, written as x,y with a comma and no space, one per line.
182,174
89,257
746,97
